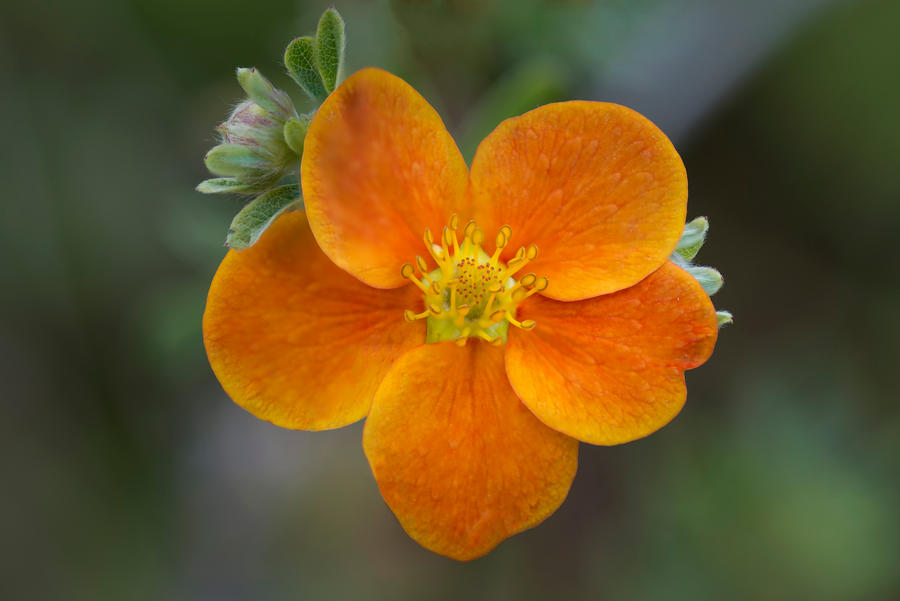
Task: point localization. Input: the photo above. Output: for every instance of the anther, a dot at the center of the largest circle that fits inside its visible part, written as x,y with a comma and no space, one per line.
500,242
506,231
411,316
539,286
520,324
470,228
446,239
528,280
477,237
423,267
407,272
454,221
514,265
532,252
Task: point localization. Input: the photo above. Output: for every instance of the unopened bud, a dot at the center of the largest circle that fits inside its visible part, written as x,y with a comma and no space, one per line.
254,153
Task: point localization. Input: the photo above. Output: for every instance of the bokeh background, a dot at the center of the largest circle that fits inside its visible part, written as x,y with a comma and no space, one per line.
128,474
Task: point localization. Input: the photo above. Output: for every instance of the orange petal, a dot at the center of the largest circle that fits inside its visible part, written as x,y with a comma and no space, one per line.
378,168
596,186
296,341
458,458
611,369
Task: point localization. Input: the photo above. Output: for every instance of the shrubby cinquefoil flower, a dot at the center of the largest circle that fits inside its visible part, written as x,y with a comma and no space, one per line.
484,319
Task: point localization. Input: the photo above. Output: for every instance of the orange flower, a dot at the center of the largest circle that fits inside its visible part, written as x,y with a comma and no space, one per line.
470,442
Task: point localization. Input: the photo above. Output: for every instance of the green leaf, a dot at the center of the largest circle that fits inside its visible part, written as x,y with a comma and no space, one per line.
692,238
302,64
258,215
724,318
221,185
709,278
295,133
233,159
330,48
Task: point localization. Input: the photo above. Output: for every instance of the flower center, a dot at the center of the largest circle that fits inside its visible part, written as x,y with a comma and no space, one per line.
471,294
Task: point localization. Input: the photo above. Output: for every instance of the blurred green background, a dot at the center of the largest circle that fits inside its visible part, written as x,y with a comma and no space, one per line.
127,473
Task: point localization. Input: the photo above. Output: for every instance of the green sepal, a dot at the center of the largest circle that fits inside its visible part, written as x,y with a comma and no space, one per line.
295,133
258,215
692,238
261,91
233,160
709,278
221,185
723,318
330,48
302,64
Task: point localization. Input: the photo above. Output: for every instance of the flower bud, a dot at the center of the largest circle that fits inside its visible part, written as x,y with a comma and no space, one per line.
254,154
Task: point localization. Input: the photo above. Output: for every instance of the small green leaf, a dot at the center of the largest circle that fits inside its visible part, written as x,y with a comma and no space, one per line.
302,64
330,48
258,215
221,185
233,159
692,238
295,133
709,278
724,318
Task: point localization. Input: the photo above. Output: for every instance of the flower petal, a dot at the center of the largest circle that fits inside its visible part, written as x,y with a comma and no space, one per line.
596,186
611,369
458,458
296,341
378,168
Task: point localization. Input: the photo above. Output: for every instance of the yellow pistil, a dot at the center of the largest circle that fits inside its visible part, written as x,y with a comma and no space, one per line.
471,294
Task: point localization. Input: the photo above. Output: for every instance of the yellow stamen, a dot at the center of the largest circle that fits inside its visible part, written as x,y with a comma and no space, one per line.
471,294
411,316
420,263
528,324
500,241
409,273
